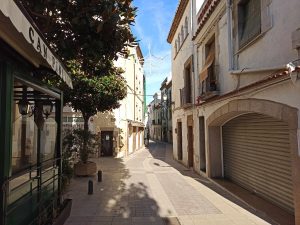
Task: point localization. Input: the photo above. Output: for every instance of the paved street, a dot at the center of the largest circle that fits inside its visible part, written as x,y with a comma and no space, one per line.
150,188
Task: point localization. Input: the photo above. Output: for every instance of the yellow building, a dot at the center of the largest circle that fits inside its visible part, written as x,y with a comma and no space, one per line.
122,130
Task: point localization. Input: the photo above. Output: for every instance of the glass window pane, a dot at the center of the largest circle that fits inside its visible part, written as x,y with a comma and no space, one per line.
48,139
24,129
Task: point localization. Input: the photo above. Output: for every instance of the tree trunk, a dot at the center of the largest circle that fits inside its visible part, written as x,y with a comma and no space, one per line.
86,124
84,154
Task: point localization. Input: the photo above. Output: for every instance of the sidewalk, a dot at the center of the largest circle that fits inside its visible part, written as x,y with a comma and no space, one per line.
150,188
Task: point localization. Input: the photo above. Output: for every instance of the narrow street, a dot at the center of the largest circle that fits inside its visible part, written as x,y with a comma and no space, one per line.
150,188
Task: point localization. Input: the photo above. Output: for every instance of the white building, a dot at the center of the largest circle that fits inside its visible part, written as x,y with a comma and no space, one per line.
242,120
155,117
180,38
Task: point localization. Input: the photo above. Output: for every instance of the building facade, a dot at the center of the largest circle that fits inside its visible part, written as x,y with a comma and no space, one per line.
122,129
30,121
245,106
166,110
156,131
150,112
180,38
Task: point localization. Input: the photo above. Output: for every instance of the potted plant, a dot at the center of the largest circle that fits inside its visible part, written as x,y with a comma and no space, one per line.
82,142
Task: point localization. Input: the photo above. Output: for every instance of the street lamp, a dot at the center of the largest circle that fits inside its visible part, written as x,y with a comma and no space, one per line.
23,104
47,108
165,97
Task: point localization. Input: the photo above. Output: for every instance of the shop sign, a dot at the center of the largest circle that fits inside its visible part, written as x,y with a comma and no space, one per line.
10,9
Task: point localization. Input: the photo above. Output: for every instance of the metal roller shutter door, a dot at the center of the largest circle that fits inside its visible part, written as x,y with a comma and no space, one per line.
256,153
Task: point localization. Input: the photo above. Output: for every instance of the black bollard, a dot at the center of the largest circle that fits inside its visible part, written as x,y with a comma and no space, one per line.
99,175
90,187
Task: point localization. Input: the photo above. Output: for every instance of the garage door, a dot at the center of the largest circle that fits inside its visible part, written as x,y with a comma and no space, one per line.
256,154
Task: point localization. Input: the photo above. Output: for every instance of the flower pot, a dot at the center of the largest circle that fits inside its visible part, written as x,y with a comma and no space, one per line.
65,213
85,169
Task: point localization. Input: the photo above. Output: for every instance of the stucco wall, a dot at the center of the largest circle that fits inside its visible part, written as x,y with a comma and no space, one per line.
272,49
131,108
275,46
285,93
179,58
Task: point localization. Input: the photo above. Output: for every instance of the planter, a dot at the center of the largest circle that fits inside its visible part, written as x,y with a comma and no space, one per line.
85,169
65,213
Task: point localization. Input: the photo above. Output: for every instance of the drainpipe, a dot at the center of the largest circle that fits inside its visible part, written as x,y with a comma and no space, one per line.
134,93
229,26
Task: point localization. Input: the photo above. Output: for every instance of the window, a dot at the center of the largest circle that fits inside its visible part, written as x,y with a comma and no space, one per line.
186,27
249,20
254,18
34,153
179,41
182,34
188,84
208,79
186,92
175,47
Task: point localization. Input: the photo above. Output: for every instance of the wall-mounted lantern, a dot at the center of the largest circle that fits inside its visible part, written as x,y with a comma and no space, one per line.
24,106
47,108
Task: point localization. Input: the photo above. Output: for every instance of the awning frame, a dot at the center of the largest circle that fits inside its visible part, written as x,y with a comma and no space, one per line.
30,35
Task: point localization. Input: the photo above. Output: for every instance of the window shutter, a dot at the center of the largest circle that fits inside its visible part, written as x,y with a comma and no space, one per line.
266,17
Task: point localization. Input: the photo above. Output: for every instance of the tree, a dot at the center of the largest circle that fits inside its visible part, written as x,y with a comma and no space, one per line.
88,35
91,32
94,94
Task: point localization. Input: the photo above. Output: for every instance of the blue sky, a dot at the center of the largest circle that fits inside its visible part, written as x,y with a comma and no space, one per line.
151,27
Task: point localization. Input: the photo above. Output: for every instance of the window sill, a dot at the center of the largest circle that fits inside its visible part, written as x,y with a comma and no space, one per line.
187,105
254,40
207,95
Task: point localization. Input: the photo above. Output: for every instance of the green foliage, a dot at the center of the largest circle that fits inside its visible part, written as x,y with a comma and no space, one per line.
87,35
80,142
67,172
91,32
67,160
94,94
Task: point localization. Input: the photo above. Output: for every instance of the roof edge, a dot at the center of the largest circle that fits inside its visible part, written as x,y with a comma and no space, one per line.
176,20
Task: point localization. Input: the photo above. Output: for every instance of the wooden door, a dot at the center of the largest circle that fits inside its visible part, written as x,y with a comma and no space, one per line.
179,140
106,143
190,147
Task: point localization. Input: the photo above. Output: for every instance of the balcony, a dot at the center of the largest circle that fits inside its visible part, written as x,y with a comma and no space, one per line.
154,122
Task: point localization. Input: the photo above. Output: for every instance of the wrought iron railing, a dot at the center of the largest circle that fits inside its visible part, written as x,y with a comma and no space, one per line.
33,201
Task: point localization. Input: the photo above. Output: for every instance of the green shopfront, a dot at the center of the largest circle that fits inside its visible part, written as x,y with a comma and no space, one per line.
30,122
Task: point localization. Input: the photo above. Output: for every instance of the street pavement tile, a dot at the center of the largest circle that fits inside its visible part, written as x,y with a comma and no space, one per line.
171,221
147,220
147,187
186,200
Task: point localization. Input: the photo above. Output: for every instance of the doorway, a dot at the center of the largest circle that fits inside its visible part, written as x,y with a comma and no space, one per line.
179,140
190,147
202,144
106,143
